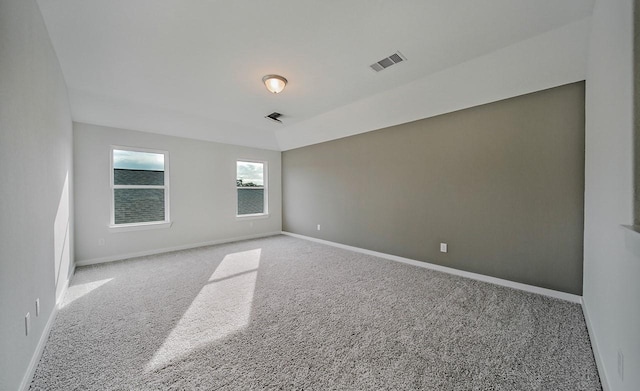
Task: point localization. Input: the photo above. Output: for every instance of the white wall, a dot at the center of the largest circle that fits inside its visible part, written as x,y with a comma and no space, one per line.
611,253
552,59
202,194
36,225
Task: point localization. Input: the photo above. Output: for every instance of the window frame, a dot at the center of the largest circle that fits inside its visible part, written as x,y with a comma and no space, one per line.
166,223
265,186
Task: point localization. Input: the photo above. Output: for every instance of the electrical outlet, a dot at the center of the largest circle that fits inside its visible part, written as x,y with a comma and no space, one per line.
38,307
101,242
27,324
621,365
444,248
318,227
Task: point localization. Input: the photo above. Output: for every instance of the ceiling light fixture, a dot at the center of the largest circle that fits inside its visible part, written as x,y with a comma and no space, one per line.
274,83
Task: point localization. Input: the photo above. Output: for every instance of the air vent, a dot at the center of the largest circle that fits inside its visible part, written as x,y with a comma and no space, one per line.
388,61
274,117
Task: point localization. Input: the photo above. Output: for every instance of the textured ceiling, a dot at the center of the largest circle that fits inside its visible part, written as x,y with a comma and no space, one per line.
193,68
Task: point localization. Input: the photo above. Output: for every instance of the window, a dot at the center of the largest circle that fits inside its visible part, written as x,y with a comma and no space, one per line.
139,186
251,185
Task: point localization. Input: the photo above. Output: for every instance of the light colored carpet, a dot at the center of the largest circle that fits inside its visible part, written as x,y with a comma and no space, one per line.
285,313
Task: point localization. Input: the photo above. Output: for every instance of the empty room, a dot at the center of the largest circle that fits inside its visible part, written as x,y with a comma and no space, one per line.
319,195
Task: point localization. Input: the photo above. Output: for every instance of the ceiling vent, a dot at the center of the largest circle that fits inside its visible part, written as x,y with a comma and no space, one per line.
274,117
388,61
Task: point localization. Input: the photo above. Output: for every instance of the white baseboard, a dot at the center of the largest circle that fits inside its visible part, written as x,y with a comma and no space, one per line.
596,352
119,257
37,354
474,276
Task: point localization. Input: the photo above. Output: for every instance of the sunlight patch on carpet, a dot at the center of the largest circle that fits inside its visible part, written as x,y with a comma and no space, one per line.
222,307
75,292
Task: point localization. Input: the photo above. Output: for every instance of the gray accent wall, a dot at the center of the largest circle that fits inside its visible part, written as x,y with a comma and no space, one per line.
36,221
501,183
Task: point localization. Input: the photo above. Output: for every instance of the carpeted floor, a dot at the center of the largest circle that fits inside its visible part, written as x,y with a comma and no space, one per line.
285,313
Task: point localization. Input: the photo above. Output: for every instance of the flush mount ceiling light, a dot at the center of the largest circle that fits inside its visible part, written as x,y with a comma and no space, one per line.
274,83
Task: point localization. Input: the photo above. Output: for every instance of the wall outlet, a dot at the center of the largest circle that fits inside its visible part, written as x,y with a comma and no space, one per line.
101,242
27,324
621,365
444,248
38,306
250,224
318,227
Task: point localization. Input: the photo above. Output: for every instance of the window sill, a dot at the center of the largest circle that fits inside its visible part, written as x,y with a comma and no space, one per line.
139,226
253,216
